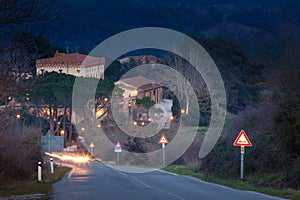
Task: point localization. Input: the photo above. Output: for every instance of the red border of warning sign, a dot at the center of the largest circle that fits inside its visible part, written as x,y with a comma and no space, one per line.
238,137
118,145
160,141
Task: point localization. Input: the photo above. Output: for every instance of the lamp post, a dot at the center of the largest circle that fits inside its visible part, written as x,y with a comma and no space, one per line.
18,116
62,133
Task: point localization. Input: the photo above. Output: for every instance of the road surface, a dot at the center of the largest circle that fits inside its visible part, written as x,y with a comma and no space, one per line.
98,181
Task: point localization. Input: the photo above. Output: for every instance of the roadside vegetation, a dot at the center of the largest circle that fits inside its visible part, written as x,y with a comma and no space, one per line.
30,186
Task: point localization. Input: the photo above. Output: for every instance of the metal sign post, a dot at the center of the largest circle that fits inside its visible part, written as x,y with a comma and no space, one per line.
163,150
118,157
242,161
118,150
163,141
242,140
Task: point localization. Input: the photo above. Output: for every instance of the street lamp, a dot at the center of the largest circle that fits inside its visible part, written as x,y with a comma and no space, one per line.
182,111
18,116
135,123
62,132
135,92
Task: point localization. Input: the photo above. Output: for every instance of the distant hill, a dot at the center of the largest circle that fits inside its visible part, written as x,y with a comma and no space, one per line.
84,24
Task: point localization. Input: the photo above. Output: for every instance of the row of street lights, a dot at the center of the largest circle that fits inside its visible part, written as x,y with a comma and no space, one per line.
182,111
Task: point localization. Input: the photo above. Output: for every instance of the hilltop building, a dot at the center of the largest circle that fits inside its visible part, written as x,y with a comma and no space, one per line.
75,64
140,87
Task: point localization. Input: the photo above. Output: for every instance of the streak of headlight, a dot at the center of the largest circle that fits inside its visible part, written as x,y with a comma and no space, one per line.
79,159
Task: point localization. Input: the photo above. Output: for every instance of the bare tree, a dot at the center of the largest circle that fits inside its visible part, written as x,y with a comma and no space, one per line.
189,76
283,80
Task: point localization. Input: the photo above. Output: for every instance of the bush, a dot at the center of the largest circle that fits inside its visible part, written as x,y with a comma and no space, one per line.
19,153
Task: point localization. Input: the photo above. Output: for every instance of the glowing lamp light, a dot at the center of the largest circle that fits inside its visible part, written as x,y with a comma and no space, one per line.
82,128
182,111
18,116
135,123
46,112
100,112
62,132
135,92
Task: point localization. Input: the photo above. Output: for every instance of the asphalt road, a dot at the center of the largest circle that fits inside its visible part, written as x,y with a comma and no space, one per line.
98,181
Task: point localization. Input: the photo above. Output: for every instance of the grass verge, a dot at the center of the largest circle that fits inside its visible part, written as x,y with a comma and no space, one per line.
236,183
27,187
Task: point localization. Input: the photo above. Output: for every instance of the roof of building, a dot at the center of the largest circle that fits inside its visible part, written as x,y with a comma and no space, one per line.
73,58
150,86
136,81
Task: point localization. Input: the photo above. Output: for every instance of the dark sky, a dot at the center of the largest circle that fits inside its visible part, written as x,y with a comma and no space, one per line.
84,24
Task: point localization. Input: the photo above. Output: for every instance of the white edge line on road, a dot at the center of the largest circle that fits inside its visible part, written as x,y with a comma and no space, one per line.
70,173
160,170
223,186
226,187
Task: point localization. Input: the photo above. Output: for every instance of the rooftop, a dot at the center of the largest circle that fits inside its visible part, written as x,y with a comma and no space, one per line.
72,58
136,81
150,86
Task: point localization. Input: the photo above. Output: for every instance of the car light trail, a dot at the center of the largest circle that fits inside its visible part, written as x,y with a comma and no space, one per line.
74,158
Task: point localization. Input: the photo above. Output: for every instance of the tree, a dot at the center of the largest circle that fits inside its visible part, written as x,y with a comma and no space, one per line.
52,94
114,71
24,11
241,72
18,52
283,80
18,58
145,102
272,123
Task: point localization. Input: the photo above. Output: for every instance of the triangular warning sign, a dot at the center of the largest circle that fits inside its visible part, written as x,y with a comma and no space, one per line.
242,140
163,139
118,145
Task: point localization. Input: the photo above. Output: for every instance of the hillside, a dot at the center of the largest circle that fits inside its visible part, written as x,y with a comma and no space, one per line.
101,19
